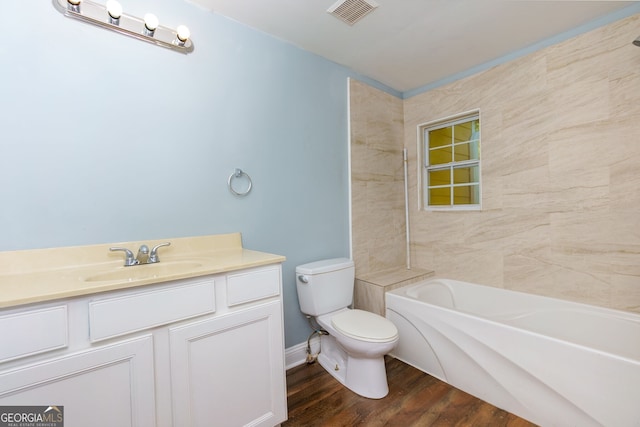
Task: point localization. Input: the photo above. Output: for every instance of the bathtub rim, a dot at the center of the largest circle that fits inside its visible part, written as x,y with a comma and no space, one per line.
624,315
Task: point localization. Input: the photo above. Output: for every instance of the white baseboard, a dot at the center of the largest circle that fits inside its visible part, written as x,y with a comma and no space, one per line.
295,356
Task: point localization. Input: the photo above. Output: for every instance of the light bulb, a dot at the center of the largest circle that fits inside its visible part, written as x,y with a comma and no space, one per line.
114,9
151,22
73,5
183,33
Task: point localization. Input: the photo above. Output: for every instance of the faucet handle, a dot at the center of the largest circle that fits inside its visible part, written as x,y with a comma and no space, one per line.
153,255
129,259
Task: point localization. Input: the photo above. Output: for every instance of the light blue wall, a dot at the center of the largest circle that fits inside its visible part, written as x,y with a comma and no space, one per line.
105,138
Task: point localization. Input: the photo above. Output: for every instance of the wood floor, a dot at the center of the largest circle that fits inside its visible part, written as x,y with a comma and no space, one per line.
315,398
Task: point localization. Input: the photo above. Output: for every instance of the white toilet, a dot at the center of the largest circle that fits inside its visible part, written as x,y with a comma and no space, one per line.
354,350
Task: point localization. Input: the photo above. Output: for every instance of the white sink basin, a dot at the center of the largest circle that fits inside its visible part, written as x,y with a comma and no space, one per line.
146,271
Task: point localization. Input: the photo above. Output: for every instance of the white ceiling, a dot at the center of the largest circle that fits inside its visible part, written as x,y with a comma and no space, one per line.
408,44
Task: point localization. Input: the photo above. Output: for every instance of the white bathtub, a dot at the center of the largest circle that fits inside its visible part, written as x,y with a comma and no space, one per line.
552,362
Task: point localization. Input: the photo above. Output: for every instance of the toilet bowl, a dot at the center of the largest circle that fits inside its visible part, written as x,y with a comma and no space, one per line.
353,351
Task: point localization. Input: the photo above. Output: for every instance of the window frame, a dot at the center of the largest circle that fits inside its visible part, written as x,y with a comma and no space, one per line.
424,167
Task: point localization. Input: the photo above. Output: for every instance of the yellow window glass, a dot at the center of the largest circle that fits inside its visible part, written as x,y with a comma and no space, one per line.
440,137
463,175
440,155
466,195
439,177
440,196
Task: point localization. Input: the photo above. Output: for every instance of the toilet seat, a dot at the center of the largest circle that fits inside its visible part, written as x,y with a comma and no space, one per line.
365,326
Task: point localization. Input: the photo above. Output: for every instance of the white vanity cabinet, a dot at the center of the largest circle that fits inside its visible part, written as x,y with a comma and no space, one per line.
203,351
228,369
100,386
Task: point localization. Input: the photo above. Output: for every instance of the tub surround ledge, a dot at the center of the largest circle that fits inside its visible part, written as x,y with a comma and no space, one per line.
38,275
370,288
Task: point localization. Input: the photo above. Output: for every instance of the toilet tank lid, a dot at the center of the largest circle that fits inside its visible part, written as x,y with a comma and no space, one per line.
324,266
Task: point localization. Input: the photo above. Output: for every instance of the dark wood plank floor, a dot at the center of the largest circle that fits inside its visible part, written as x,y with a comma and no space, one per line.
315,398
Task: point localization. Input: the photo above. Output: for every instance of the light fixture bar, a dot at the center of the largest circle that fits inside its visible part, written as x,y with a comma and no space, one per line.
97,14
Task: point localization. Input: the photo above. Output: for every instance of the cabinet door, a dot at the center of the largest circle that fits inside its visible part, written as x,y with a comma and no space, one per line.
229,370
108,386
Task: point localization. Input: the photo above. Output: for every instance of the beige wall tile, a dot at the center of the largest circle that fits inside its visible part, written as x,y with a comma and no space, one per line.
378,218
625,292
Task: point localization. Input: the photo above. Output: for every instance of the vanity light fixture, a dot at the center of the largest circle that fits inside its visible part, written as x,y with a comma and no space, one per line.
110,16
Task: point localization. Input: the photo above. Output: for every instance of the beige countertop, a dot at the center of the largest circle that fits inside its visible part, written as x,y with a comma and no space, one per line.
47,274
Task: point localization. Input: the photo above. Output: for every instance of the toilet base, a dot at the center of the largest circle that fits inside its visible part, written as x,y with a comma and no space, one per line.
364,376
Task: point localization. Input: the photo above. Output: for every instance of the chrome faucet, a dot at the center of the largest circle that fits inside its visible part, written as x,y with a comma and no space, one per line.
144,255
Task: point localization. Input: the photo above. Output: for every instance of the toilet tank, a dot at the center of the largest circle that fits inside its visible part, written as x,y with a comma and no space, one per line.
325,286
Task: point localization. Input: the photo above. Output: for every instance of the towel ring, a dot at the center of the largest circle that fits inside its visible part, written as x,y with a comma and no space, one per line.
238,173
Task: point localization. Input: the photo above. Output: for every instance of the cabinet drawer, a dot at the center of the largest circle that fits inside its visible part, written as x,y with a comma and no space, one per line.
253,285
111,317
32,332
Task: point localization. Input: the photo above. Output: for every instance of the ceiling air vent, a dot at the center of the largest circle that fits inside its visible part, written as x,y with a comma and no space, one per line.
351,11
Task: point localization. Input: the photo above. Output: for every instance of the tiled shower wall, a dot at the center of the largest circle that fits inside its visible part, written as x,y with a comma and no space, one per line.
560,133
377,184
